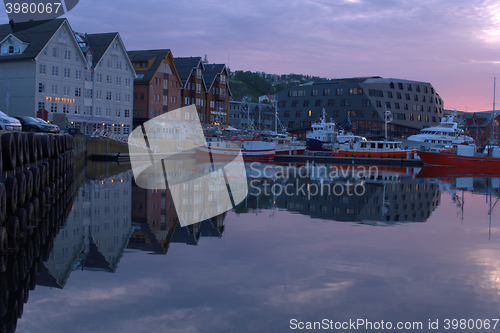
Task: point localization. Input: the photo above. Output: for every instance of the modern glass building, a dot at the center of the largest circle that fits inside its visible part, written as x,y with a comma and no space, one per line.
362,101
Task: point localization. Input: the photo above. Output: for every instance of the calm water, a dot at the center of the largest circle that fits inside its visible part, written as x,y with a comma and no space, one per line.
405,250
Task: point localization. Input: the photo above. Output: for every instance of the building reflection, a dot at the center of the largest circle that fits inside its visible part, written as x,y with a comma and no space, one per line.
156,224
389,195
96,231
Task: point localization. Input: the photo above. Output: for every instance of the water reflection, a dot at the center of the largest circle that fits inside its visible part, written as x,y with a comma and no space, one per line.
111,213
343,193
156,224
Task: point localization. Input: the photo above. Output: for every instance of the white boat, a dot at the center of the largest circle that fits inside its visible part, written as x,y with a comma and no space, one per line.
322,132
447,133
219,147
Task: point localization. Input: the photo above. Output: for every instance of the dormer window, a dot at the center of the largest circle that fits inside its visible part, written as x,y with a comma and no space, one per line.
11,49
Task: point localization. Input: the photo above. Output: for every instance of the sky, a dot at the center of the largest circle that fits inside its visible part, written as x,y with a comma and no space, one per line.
453,44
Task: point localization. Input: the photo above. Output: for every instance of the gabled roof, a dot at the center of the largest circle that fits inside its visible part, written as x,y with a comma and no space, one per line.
210,72
99,43
157,56
185,66
35,33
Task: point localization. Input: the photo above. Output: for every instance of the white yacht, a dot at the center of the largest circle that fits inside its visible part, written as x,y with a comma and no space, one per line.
446,133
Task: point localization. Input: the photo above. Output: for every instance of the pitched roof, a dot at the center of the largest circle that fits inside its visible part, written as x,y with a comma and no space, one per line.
36,33
210,72
99,43
185,66
146,56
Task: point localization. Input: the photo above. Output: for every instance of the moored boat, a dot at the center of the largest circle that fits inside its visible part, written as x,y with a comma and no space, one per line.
222,148
374,149
463,157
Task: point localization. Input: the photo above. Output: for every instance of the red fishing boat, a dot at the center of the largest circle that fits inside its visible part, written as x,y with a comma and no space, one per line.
462,157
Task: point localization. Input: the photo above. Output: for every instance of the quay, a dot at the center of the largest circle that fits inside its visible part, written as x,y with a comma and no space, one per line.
36,174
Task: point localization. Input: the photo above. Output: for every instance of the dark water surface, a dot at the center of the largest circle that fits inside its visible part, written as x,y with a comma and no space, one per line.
407,250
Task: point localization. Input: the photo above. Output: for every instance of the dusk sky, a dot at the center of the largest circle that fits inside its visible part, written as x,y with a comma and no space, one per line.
453,44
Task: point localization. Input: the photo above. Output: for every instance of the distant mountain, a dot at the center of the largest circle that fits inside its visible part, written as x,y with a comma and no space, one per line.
249,85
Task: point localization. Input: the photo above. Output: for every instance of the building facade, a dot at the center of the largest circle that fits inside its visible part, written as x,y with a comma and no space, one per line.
363,101
244,115
193,86
157,87
41,67
217,95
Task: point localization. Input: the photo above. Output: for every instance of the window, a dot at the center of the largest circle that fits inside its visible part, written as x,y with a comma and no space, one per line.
41,88
281,104
108,112
365,102
88,93
109,80
338,91
298,113
423,98
419,117
408,97
291,124
53,107
295,104
326,92
310,113
109,63
376,93
415,98
405,106
374,114
379,104
78,74
78,92
398,95
314,92
408,86
41,105
55,52
426,117
318,102
400,86
98,111
127,98
67,73
286,114
388,105
391,85
126,113
118,81
55,89
411,117
67,55
119,65
355,91
389,94
396,106
417,88
331,102
117,113
66,91
55,71
108,95
345,102
42,69
127,82
306,103
65,108
98,94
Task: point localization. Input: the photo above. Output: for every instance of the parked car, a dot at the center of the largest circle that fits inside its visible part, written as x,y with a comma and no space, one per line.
55,127
9,123
31,124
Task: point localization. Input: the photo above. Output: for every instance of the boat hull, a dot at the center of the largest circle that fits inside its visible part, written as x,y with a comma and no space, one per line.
315,145
381,154
230,154
433,158
430,171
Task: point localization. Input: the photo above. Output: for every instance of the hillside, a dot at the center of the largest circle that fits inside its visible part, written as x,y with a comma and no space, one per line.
249,86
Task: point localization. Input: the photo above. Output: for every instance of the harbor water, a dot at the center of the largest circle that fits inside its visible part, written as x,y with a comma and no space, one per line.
312,247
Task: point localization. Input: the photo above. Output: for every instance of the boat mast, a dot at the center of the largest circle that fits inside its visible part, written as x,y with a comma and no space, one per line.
494,116
276,116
